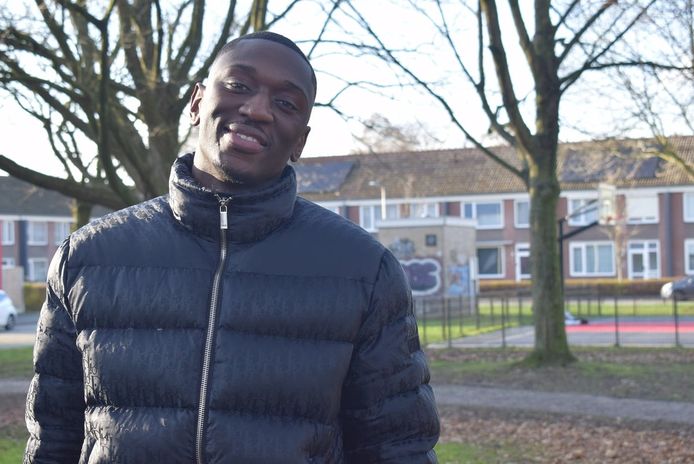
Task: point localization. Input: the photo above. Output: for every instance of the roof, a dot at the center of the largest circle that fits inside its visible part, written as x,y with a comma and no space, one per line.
433,173
22,198
629,163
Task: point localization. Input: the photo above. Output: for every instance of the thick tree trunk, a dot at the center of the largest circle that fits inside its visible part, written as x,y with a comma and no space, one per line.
81,213
551,345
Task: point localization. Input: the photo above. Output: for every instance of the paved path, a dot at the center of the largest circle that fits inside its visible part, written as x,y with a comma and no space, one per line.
594,335
525,400
565,403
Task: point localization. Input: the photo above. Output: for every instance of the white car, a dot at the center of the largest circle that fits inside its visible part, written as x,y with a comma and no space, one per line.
8,313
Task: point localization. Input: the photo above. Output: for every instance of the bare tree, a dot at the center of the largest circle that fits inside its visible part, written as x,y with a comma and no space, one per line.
380,135
109,81
560,42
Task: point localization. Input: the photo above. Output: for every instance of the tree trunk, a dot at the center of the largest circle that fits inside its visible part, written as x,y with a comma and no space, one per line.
551,345
81,213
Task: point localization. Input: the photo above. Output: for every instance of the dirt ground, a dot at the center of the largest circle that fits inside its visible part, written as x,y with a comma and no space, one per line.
663,374
549,439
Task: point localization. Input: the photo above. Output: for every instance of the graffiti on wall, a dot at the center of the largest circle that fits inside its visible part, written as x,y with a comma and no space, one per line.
423,274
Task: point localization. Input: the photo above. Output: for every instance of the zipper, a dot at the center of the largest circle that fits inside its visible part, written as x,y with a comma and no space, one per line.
211,332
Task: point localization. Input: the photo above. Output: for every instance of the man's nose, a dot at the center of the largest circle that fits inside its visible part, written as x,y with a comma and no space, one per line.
257,107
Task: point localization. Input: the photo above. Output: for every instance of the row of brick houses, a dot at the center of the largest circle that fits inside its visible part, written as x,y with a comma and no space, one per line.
654,236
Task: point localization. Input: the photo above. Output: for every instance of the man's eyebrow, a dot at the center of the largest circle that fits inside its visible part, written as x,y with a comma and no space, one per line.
251,70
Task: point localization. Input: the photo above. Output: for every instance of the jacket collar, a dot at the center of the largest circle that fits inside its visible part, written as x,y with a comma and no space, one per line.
251,215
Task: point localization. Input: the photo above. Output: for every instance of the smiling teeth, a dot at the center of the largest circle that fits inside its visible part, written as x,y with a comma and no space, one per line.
247,137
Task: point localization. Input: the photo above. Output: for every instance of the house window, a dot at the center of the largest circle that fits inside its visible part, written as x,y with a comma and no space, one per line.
522,261
592,259
490,262
7,262
370,214
644,262
37,233
488,214
522,213
424,210
38,269
61,230
642,209
8,232
689,256
688,203
588,213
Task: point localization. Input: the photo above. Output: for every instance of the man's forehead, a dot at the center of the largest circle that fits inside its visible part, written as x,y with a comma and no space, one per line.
264,55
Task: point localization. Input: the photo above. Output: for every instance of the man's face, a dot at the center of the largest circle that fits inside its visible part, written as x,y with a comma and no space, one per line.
253,115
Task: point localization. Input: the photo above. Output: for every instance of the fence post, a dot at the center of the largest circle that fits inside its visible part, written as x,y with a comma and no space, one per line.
520,309
599,303
616,320
504,303
491,310
462,313
477,314
677,322
424,319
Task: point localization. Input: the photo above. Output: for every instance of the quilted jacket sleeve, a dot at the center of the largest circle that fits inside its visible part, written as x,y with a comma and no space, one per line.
55,402
388,410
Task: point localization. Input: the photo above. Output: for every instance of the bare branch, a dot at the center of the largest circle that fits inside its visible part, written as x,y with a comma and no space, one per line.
586,26
92,194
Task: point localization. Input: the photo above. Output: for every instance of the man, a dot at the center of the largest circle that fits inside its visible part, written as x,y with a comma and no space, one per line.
230,321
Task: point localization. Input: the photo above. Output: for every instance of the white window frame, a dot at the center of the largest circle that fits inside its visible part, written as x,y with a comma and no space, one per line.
688,243
475,205
583,246
372,213
426,205
502,262
57,226
521,250
687,196
30,233
7,262
646,248
31,267
8,228
583,219
516,223
642,220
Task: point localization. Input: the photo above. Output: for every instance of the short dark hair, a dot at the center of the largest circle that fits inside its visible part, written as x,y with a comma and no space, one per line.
273,37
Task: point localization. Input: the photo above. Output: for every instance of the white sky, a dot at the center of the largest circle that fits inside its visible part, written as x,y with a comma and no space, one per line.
24,140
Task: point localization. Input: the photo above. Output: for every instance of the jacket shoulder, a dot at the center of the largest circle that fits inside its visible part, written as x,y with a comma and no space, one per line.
119,231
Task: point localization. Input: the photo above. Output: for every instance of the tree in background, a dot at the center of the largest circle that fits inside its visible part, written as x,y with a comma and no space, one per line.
109,82
560,43
380,135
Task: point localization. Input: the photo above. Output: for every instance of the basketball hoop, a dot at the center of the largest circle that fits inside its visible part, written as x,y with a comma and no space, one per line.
607,204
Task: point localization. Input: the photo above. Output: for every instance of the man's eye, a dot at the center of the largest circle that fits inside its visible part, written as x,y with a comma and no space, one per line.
286,104
236,86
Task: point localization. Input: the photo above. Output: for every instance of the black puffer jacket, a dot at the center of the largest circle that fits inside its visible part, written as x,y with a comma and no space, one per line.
297,346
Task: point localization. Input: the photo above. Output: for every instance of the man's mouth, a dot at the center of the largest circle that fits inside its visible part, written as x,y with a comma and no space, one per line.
244,139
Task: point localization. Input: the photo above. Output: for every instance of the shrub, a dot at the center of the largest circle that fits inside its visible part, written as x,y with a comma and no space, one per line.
644,288
34,295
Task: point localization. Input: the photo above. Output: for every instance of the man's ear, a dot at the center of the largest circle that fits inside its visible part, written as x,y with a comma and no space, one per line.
195,99
299,147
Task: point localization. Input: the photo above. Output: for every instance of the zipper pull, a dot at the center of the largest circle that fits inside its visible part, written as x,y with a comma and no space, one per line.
223,216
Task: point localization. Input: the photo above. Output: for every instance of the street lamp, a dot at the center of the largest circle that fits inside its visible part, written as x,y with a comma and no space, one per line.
375,183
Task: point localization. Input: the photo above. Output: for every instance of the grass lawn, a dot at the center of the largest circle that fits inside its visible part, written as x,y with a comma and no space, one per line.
468,453
16,363
646,373
12,444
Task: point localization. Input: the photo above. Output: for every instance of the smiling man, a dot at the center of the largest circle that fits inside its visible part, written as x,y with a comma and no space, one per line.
231,321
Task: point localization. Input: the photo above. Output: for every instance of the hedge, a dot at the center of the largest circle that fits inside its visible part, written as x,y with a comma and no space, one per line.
645,288
34,295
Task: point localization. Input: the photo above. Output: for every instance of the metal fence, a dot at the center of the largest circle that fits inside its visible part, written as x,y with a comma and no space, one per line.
502,319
